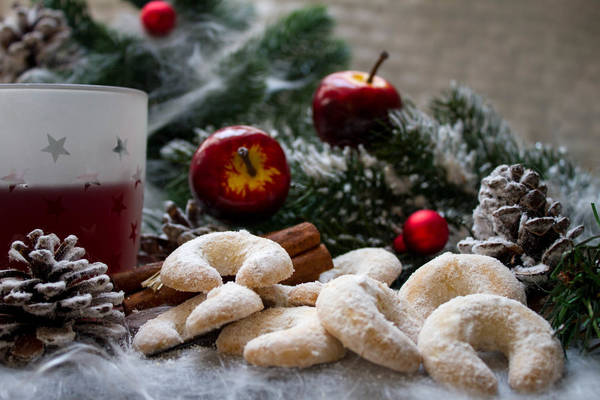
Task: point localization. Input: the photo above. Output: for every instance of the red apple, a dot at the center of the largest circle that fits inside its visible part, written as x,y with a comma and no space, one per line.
240,172
349,105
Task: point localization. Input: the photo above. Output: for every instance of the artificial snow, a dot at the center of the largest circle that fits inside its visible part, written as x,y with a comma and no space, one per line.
82,372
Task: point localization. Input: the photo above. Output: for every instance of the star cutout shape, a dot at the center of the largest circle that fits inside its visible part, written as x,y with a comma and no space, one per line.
55,207
15,180
118,205
56,147
89,230
133,234
137,177
121,148
89,179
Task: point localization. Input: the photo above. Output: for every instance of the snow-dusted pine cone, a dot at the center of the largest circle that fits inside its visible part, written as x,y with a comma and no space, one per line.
517,223
178,227
57,297
30,38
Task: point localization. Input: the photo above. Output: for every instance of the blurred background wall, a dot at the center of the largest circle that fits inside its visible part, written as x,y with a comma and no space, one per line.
537,61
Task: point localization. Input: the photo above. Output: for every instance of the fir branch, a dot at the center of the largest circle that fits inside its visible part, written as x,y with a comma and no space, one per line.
490,137
232,13
300,52
109,57
85,30
244,89
573,307
351,207
234,93
484,131
236,14
410,146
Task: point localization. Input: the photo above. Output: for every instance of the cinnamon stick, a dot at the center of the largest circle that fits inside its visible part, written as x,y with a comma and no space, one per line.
309,265
297,239
149,298
131,281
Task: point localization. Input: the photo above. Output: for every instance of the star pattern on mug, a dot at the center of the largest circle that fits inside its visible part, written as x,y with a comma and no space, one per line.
89,179
89,230
118,205
121,148
133,234
15,180
56,147
55,207
137,177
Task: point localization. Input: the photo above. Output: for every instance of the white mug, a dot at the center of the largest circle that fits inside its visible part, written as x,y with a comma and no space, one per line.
72,161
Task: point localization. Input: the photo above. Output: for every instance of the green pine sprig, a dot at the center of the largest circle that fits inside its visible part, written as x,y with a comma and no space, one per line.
574,303
484,131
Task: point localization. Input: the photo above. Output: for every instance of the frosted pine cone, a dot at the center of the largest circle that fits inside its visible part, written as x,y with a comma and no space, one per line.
59,297
517,223
178,227
30,38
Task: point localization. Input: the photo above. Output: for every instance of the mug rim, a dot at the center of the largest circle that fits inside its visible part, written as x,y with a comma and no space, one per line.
74,87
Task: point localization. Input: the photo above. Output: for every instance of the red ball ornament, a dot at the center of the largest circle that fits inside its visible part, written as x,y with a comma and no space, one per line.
240,173
399,245
158,18
425,232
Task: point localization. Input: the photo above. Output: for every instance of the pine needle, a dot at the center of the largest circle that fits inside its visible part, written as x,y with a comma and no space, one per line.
574,303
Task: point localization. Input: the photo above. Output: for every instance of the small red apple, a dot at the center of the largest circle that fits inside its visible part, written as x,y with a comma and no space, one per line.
158,18
349,105
240,172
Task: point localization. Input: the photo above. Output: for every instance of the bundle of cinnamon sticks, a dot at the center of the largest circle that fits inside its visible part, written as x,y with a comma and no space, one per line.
302,242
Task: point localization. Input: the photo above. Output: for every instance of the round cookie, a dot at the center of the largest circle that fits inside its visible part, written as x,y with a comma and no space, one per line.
366,316
223,304
455,331
451,275
373,262
281,336
197,265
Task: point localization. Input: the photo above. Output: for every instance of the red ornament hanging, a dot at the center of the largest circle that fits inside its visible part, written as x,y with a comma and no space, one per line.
425,232
158,18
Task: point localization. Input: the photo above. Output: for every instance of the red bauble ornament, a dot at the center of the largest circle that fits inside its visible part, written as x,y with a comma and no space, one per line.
425,232
349,105
158,18
399,245
240,172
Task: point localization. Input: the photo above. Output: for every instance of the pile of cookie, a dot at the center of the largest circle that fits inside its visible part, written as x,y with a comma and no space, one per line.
449,309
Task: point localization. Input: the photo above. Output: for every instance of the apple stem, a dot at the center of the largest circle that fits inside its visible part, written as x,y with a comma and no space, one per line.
382,57
243,152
